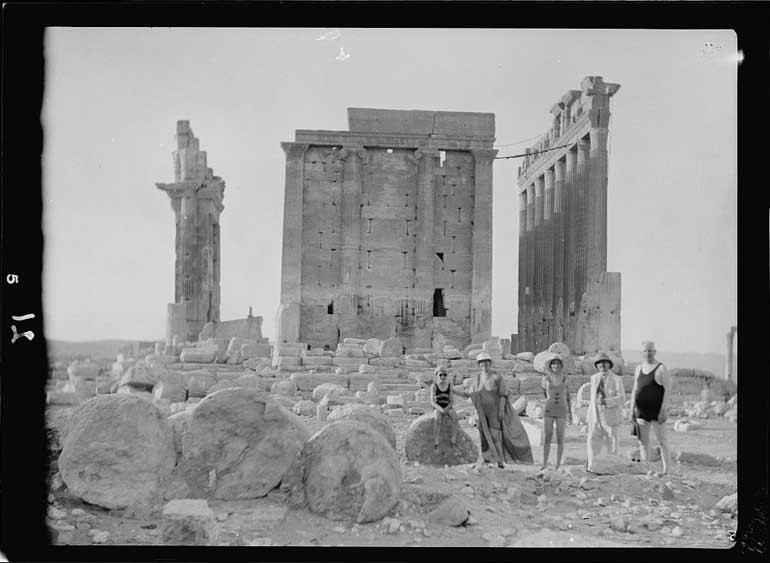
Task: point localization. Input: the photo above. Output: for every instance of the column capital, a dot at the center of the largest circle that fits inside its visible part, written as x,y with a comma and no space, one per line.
484,156
353,149
549,174
421,153
295,150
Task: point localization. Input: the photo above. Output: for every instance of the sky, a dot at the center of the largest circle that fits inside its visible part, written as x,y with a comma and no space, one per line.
113,96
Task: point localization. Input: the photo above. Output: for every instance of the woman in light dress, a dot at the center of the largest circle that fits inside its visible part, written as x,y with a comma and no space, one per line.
605,410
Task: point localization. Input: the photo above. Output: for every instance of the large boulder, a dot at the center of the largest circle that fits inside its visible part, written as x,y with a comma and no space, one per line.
346,471
419,443
180,422
368,415
239,444
560,348
118,451
452,512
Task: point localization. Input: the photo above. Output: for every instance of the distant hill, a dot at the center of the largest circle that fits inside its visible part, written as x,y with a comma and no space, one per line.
714,363
97,349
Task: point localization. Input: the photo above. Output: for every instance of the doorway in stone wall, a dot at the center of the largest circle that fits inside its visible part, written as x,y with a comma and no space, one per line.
438,303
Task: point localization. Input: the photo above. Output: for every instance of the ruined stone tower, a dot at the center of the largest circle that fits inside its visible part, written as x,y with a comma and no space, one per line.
388,230
196,198
565,291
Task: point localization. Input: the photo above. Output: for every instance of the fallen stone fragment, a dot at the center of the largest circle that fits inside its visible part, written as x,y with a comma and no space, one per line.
452,512
247,440
418,443
696,459
188,522
368,415
118,451
728,503
346,471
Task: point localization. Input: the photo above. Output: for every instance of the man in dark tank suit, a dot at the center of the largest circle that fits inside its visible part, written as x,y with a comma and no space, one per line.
649,404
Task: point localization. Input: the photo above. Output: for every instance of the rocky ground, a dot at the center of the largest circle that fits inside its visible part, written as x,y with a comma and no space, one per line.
512,507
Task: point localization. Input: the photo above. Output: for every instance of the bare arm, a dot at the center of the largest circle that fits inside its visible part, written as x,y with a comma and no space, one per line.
633,391
663,378
503,388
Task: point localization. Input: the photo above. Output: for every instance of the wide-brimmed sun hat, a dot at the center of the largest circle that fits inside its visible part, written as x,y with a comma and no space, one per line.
603,357
483,356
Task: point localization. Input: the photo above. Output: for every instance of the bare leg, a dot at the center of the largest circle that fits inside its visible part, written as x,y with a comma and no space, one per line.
559,441
436,428
662,438
548,427
455,422
614,432
497,438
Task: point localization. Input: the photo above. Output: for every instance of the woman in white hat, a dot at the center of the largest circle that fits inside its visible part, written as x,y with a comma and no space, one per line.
605,409
503,437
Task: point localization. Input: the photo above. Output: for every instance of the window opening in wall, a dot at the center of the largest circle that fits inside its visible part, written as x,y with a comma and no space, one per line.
368,259
441,257
369,226
441,157
459,214
320,240
452,272
403,254
407,226
389,151
454,238
438,303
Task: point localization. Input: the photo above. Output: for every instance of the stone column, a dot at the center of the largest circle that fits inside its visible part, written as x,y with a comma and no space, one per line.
539,263
570,248
350,219
598,183
423,256
522,266
584,216
558,251
481,296
529,342
189,210
288,321
548,230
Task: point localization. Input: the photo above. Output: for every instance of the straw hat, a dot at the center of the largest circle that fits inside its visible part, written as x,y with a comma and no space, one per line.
554,357
483,356
603,357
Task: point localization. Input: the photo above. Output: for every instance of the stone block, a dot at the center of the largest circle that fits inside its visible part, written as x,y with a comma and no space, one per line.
357,341
316,361
526,356
83,370
288,362
372,346
499,364
288,350
201,354
417,364
463,364
505,346
453,354
385,362
256,350
309,381
349,362
349,351
391,348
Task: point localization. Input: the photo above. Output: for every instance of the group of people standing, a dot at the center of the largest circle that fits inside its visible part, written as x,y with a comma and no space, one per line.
504,439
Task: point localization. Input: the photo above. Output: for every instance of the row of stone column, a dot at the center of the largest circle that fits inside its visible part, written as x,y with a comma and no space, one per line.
562,242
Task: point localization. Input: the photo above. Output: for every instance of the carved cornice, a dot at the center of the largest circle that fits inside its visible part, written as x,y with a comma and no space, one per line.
294,150
484,157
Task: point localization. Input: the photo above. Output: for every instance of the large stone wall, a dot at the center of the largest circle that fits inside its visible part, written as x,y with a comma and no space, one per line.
378,218
565,291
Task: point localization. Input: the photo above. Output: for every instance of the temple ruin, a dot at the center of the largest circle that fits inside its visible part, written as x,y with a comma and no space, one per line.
196,198
388,230
565,291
